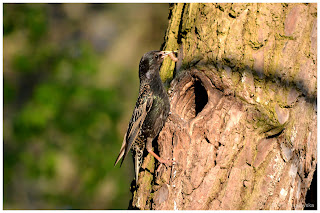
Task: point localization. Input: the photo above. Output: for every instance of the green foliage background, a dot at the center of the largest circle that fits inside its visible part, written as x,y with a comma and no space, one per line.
70,85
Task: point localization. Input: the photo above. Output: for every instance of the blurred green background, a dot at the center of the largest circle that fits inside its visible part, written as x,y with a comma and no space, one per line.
70,85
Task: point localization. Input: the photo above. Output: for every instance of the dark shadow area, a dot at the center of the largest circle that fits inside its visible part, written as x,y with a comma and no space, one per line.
133,188
201,96
275,135
311,198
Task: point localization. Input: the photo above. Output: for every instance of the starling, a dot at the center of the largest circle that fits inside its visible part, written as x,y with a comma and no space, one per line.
150,113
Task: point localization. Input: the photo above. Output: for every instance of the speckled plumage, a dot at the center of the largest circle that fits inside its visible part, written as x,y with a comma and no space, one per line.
151,110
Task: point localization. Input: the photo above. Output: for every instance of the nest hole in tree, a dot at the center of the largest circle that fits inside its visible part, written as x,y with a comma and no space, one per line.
193,100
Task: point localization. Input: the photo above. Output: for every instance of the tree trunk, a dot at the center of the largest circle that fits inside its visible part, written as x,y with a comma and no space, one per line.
243,123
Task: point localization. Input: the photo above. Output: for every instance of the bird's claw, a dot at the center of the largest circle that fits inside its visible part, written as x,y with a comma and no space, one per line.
167,162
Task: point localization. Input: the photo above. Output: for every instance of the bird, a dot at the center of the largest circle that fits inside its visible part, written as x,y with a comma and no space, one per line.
150,113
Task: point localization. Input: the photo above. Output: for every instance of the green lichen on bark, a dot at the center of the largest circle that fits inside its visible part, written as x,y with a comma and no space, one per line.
167,68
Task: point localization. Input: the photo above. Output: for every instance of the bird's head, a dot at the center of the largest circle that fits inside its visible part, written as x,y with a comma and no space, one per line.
150,64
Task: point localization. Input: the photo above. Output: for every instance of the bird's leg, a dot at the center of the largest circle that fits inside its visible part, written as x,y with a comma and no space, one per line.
149,149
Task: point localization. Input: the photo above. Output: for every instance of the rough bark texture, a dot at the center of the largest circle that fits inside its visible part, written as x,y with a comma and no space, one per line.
243,128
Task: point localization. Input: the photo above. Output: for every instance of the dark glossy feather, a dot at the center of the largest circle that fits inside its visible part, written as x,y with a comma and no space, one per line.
143,106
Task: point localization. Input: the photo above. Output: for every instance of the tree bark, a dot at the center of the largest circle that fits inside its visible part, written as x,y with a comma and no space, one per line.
243,123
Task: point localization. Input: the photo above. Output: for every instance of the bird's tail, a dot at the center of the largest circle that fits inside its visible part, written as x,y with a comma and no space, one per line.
137,164
121,150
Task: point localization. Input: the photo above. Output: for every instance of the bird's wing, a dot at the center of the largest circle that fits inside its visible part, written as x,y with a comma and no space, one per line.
140,111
